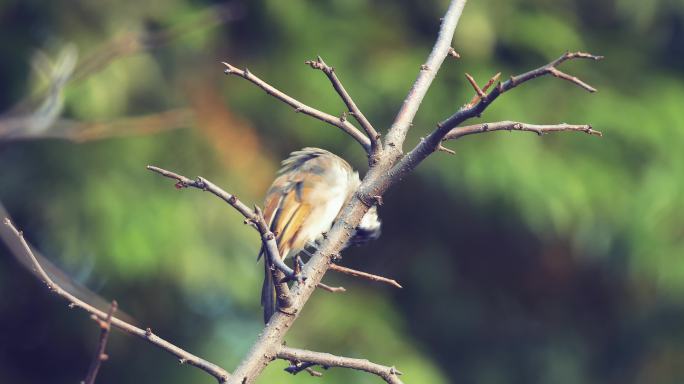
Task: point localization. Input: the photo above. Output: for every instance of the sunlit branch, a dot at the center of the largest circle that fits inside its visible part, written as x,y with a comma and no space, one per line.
339,122
372,134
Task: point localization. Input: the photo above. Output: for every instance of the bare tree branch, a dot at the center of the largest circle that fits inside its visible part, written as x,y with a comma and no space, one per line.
376,181
100,355
256,218
459,132
327,360
431,143
364,275
184,357
402,122
339,122
376,144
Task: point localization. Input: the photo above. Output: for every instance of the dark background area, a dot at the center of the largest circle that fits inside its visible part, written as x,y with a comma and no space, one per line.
524,259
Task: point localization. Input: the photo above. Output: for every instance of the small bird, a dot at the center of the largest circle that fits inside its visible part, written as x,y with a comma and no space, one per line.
302,204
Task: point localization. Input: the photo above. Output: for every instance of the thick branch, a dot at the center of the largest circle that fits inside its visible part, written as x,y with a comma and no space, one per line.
184,357
339,122
372,134
402,122
100,355
459,132
326,360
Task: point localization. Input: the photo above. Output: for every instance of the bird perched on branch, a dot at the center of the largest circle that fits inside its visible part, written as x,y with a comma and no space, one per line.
303,202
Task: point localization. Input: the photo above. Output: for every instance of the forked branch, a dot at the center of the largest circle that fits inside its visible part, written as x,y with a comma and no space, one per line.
372,134
433,141
339,122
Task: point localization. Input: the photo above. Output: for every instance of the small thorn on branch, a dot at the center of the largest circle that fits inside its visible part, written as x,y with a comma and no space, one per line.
452,52
331,289
445,149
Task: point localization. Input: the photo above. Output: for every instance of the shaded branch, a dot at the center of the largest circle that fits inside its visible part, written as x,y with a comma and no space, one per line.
184,357
459,132
100,355
327,360
339,122
364,275
372,134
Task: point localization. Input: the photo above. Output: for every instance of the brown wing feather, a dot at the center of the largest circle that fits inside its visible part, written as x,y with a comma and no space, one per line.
287,208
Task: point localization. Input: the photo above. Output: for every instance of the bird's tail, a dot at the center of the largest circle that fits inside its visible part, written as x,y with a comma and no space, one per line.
268,296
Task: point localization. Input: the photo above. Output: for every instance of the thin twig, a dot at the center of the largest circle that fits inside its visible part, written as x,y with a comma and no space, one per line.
100,355
327,360
331,289
364,275
185,357
459,132
298,106
372,134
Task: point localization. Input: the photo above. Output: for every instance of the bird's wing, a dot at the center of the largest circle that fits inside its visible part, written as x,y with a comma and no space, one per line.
287,207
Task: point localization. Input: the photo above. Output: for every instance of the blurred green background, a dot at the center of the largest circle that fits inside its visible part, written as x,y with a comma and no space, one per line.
524,259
